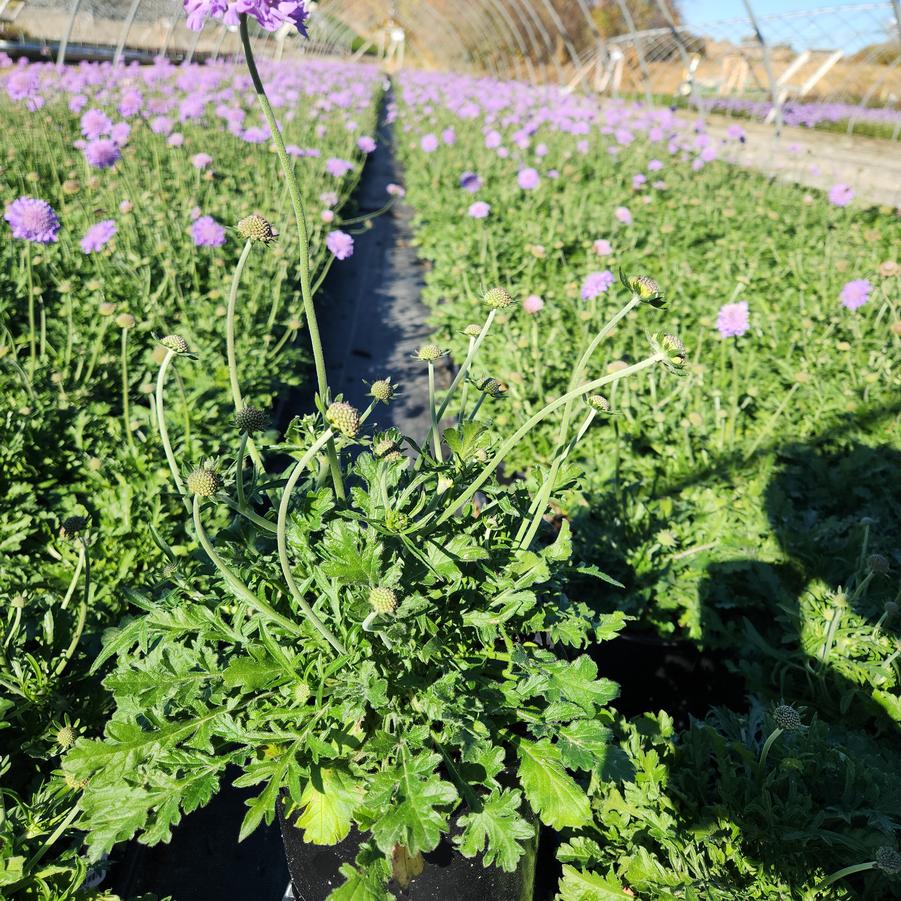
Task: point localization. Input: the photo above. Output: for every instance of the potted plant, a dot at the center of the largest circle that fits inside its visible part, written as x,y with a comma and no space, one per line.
377,637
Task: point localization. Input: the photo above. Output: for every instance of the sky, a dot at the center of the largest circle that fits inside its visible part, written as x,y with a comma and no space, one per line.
710,10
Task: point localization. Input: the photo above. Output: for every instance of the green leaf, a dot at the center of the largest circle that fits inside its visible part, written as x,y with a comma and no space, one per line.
366,885
579,885
573,681
406,800
497,827
583,744
329,800
251,675
466,439
551,791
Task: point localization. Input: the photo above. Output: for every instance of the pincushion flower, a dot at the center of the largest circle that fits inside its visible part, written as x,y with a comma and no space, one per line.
528,179
533,304
338,167
102,153
207,232
429,143
602,247
479,210
95,123
367,144
119,133
269,14
395,190
732,320
33,220
855,293
597,283
623,215
201,160
841,195
471,182
98,236
340,244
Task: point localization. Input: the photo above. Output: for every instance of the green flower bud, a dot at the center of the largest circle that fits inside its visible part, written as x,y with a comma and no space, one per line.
343,418
877,564
106,309
257,229
125,320
646,288
175,343
672,349
429,353
497,298
250,420
787,718
383,600
302,693
493,387
387,449
472,331
71,526
74,783
382,390
598,403
66,737
204,482
889,861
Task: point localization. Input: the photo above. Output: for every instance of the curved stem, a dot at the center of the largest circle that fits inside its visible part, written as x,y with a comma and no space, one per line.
434,431
82,616
259,521
303,234
32,344
467,362
282,539
847,871
769,744
542,414
239,472
164,432
237,587
72,584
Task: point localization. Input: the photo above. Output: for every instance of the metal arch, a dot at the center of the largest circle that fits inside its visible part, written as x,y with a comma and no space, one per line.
551,49
478,25
767,65
683,55
126,28
872,90
593,26
519,6
561,30
639,50
517,37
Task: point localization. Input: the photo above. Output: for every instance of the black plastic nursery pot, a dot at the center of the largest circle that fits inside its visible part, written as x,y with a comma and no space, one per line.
446,875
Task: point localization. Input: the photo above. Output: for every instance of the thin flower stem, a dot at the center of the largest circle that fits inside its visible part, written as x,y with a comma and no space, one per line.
230,346
464,367
54,837
542,414
237,587
434,431
847,871
126,415
282,540
303,234
465,390
524,538
82,551
769,744
239,471
164,432
32,343
82,616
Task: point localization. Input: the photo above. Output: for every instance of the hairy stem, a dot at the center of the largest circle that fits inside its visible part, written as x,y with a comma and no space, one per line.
164,432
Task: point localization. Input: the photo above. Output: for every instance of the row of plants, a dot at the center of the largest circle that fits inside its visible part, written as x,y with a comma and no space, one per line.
126,214
750,507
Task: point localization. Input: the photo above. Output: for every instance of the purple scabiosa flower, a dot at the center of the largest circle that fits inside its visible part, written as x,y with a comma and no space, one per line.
256,134
841,195
623,215
655,166
855,293
602,247
340,244
395,190
471,182
449,136
493,140
528,179
429,143
541,150
479,210
533,304
338,168
131,103
736,133
732,320
102,153
33,220
207,232
367,144
125,206
269,14
201,160
119,133
597,283
583,146
95,123
98,236
638,180
328,198
176,139
161,125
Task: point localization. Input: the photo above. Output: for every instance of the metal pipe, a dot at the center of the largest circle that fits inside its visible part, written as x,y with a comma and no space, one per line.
768,67
64,43
123,36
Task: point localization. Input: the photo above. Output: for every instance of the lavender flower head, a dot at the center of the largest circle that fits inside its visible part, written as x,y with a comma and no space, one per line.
528,179
732,320
471,182
429,143
33,220
602,247
340,244
841,195
270,14
102,153
479,210
855,293
97,236
533,304
596,284
207,232
623,215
